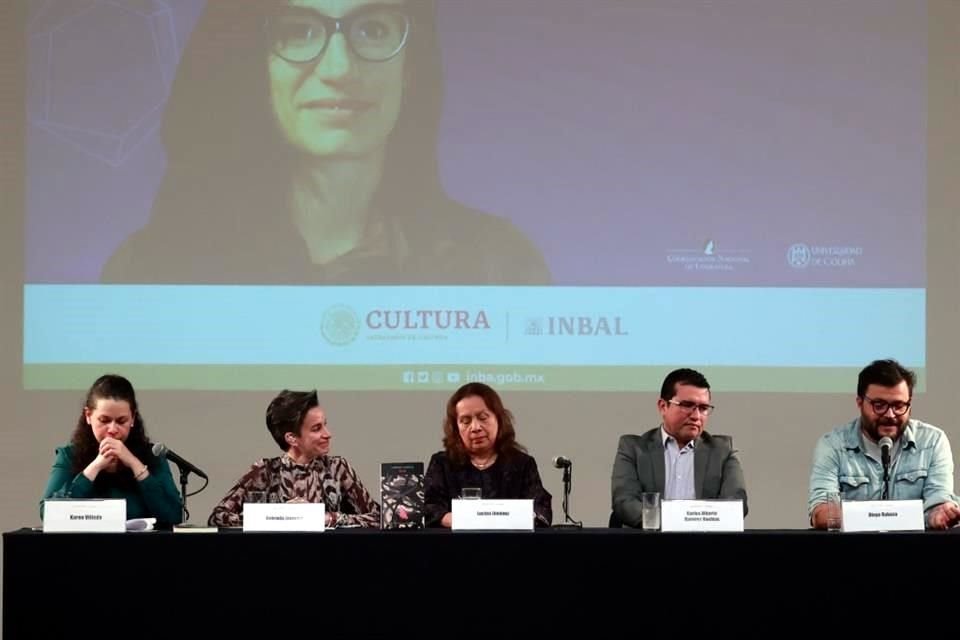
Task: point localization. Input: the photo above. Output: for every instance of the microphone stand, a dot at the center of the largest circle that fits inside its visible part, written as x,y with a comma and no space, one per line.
184,476
568,522
886,479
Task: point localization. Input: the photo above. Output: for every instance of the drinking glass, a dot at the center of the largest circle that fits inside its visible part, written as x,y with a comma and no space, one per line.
834,511
650,502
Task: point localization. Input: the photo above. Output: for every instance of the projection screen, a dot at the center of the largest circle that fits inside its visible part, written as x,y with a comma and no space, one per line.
539,194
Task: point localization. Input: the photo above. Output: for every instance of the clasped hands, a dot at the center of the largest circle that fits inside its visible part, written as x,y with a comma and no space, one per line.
113,453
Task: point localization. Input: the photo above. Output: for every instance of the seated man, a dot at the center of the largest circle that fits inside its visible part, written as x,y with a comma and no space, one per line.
849,460
678,459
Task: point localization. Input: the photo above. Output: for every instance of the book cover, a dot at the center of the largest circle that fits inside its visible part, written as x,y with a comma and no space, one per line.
401,495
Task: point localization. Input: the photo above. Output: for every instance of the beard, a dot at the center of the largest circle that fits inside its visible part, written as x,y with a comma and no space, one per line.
872,427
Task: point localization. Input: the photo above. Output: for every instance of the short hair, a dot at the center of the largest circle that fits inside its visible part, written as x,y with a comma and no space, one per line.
691,377
886,373
506,442
286,413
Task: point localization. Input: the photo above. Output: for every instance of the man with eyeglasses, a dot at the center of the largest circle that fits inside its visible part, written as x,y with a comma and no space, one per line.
678,459
849,459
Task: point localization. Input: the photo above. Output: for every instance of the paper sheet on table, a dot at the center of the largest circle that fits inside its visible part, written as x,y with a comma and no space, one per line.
141,524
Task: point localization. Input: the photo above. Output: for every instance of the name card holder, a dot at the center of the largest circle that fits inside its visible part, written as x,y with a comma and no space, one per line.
295,516
883,515
701,515
85,516
492,515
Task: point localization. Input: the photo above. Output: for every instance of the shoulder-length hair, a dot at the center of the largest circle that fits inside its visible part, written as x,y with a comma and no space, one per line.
225,152
506,443
85,445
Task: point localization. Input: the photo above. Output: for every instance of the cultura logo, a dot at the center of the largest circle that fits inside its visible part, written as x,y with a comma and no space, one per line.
426,319
340,325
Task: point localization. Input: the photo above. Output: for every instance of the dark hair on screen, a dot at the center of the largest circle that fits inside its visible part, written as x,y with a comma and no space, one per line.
225,150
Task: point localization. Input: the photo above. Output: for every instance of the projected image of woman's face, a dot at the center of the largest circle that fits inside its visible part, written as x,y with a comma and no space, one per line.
337,91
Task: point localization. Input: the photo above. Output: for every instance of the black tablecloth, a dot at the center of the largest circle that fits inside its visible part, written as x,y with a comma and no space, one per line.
433,582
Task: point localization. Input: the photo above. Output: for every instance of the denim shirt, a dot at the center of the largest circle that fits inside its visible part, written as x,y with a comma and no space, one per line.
923,470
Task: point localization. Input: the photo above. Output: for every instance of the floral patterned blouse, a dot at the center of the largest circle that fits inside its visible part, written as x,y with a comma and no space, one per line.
327,479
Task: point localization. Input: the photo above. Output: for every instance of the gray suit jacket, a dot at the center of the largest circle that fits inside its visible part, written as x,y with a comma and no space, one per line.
639,467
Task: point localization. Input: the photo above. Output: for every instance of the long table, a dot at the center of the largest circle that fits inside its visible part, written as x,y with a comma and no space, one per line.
439,583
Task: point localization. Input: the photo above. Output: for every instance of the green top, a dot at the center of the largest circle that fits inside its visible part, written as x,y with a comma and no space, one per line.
156,496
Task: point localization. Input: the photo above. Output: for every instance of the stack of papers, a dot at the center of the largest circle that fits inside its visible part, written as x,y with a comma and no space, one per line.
141,524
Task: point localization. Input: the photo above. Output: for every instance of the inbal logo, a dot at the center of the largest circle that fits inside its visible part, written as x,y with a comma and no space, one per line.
576,326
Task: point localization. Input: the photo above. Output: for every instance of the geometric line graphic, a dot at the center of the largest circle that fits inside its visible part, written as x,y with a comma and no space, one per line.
83,50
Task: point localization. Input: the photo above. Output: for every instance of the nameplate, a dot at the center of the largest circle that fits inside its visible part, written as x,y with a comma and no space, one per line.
701,515
492,515
883,515
295,516
93,515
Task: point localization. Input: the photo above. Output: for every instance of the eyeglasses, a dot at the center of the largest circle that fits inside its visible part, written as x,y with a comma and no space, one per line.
688,406
374,34
880,407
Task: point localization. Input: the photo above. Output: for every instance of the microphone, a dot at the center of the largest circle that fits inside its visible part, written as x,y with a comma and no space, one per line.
160,450
885,445
565,463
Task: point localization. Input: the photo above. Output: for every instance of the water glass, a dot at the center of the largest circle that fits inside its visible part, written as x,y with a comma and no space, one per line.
834,511
650,503
255,496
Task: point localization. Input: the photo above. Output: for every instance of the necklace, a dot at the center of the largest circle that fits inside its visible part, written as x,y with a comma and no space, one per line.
485,463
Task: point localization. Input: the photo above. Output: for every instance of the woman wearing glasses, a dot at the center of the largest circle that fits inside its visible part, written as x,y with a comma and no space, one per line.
301,148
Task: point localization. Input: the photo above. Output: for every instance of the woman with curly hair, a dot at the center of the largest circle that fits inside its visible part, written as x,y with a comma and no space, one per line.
109,456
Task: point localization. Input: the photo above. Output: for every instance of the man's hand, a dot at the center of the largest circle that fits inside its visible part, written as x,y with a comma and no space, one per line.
944,515
818,520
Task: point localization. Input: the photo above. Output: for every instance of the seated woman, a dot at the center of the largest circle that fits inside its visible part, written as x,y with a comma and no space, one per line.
481,451
306,472
109,456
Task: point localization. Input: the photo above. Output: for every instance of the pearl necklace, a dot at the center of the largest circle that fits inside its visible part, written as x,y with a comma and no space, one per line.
486,463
